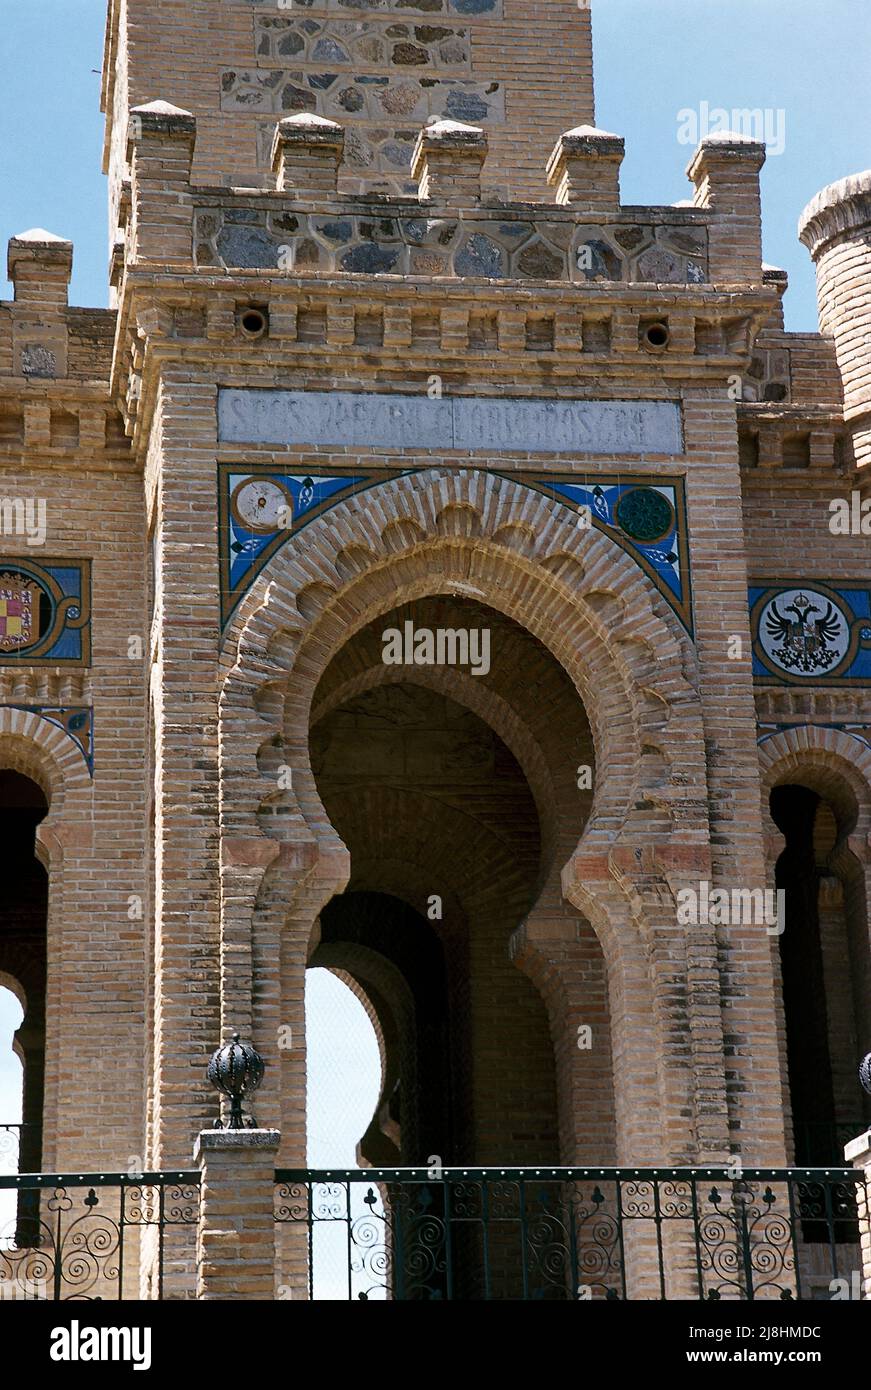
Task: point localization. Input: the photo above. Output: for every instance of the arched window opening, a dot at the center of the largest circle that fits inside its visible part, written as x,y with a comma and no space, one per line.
826,974
453,794
23,912
343,1084
11,1077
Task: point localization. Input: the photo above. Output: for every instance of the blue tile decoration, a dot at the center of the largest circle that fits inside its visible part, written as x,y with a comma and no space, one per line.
45,612
806,632
261,508
76,721
646,517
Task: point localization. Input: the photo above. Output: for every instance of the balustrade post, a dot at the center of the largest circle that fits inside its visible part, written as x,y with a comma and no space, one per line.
858,1153
236,1231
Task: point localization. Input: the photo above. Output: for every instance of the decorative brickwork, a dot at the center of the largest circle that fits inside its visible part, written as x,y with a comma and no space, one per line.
386,355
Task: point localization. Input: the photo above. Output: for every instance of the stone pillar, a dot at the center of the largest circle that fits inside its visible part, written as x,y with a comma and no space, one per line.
39,265
725,170
180,478
161,141
447,162
746,952
584,169
236,1231
306,154
858,1154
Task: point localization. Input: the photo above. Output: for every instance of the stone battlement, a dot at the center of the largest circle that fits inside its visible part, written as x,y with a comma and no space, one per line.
452,228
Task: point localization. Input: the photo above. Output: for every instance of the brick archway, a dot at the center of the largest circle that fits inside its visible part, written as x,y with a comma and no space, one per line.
834,767
36,749
632,667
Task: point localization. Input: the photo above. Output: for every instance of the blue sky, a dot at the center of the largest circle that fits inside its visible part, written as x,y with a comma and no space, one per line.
653,58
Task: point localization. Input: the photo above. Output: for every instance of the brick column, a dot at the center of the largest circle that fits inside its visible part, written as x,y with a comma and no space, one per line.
161,150
306,154
236,1231
725,170
858,1153
447,161
584,169
749,990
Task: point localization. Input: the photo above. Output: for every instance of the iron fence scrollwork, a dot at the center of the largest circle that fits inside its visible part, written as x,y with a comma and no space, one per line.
572,1234
83,1236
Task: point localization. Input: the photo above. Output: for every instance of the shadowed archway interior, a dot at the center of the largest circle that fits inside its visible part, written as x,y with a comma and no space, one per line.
23,952
826,971
451,847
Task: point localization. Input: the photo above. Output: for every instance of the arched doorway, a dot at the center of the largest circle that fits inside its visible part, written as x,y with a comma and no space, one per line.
343,1082
451,848
596,660
826,968
23,915
395,963
576,632
11,1017
454,844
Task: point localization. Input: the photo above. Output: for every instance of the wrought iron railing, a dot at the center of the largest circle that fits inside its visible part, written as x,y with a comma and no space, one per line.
90,1235
567,1233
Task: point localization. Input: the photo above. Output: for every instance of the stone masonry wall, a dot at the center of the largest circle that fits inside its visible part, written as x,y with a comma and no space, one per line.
380,68
62,442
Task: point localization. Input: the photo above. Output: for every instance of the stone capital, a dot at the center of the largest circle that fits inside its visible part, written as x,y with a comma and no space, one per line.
584,168
447,160
727,151
306,154
162,120
218,1141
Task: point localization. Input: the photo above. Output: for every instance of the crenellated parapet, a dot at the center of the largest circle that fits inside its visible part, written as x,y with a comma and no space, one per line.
55,361
308,224
452,271
382,70
437,236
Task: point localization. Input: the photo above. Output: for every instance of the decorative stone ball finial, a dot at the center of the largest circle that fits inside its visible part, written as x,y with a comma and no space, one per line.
236,1070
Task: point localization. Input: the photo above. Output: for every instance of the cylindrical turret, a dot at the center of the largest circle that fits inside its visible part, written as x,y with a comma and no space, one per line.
836,229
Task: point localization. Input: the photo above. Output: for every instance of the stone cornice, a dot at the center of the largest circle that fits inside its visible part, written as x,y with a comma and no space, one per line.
149,299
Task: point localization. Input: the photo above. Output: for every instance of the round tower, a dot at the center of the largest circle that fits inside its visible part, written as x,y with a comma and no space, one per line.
836,229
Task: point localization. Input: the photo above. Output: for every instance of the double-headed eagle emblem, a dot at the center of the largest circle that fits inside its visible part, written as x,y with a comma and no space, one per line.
805,639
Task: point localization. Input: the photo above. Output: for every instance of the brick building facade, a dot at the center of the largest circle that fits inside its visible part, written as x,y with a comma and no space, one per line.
386,352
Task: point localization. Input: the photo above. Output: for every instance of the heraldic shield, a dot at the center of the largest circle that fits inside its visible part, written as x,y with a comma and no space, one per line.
20,617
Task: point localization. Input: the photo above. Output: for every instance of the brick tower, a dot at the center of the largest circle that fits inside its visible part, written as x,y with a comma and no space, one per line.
443,589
